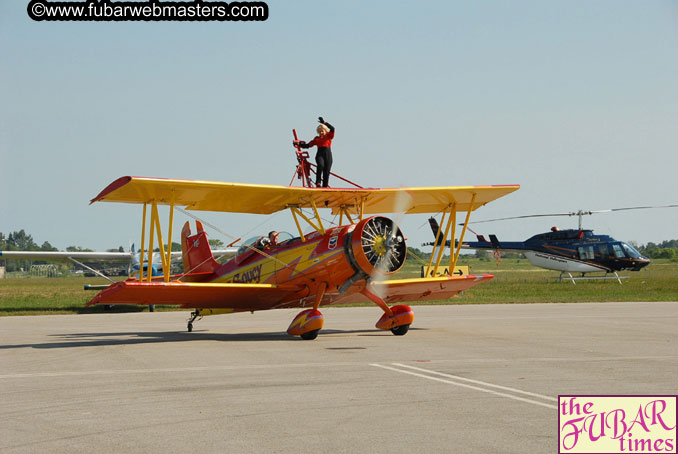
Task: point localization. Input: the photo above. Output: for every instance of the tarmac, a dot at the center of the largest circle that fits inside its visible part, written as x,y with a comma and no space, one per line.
466,378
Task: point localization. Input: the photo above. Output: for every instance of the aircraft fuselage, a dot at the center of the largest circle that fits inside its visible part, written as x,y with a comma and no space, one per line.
574,251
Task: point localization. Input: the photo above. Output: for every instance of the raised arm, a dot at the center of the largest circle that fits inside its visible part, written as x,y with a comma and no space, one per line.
321,120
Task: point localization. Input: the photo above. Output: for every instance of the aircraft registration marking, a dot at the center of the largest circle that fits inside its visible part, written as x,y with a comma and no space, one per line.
249,276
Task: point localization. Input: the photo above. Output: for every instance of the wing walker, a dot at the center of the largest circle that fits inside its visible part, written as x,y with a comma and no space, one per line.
345,263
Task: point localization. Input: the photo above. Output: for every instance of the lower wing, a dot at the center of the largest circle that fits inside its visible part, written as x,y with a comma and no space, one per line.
252,297
197,295
403,290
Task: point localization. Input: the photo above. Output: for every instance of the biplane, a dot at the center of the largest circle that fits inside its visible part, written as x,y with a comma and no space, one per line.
346,263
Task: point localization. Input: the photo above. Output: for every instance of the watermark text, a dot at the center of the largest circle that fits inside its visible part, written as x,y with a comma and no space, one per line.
152,10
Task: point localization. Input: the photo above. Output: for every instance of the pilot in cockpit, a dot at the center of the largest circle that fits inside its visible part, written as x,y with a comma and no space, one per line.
267,242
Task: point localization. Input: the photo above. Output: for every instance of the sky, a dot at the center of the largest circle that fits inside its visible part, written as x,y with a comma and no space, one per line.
575,101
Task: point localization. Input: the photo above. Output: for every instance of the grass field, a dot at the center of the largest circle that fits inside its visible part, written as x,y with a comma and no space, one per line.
515,281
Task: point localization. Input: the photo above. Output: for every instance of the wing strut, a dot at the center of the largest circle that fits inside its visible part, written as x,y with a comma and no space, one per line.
155,231
143,243
316,216
461,237
436,244
439,245
167,270
343,211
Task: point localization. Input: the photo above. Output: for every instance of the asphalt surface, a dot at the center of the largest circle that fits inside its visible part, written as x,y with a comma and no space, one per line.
477,378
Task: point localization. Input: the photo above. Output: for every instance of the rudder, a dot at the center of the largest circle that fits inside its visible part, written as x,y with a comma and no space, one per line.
195,250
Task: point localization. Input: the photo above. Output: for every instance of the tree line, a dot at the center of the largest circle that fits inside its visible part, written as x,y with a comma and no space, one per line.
22,241
665,250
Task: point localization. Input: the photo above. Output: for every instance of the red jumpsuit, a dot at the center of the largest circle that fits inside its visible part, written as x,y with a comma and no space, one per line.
323,157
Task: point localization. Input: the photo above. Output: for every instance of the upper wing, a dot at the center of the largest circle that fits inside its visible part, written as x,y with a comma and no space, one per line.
58,256
267,199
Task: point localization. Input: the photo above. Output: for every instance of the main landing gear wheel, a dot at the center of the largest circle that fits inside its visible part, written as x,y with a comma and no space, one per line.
399,319
310,335
190,327
306,324
400,330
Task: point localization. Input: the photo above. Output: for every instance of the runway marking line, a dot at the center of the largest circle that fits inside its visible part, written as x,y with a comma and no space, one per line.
456,377
234,368
450,381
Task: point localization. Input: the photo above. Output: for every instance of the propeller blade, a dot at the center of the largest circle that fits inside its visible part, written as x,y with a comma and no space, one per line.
393,237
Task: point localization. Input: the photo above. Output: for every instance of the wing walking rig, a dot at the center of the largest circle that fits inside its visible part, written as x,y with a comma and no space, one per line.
344,264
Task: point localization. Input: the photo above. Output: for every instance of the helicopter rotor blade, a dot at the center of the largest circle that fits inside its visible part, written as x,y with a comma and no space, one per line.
577,213
523,217
643,208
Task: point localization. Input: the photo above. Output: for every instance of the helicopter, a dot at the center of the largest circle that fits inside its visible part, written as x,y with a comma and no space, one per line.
568,251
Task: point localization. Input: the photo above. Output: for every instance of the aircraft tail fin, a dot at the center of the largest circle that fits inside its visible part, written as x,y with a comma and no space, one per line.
196,251
435,227
495,241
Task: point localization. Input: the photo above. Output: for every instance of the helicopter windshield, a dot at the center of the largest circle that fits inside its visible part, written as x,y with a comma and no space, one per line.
631,251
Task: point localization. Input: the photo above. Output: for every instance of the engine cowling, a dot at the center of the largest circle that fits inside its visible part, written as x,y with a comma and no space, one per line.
377,246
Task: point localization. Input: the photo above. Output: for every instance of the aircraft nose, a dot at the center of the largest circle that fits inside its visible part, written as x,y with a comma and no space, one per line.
641,263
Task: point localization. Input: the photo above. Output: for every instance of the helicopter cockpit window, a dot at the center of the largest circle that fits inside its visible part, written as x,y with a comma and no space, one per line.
618,252
631,251
602,249
586,253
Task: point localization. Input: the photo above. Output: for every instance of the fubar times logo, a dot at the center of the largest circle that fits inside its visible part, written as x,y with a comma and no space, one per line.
617,424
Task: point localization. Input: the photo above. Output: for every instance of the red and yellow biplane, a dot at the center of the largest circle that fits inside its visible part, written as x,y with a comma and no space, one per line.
347,263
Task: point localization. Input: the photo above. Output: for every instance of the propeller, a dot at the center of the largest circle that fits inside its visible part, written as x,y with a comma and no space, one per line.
579,213
383,244
383,241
